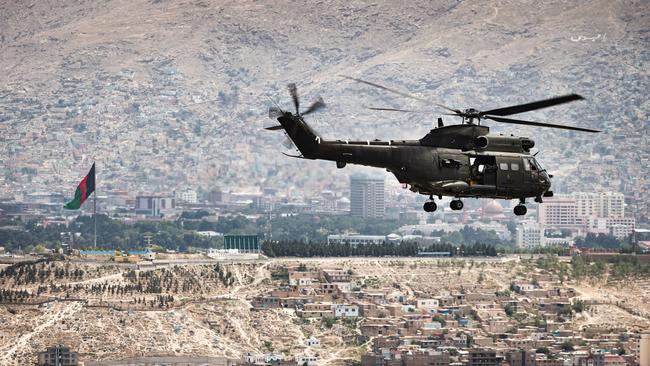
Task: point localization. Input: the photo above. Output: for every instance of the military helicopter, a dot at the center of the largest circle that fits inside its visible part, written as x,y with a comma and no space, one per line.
461,160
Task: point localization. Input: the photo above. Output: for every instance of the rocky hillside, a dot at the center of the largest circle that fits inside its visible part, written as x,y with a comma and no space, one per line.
164,92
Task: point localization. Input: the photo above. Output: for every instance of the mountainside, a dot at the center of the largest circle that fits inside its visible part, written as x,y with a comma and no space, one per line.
126,82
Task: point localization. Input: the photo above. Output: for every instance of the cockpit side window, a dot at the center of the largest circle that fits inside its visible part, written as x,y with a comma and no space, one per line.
533,164
526,164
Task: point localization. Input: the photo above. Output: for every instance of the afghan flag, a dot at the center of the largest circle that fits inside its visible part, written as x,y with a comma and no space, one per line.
85,188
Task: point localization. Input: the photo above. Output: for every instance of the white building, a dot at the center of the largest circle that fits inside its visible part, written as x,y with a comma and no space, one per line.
427,229
309,360
408,308
262,359
155,205
620,231
187,196
356,239
601,204
594,213
428,303
621,227
312,342
530,234
558,242
343,286
346,311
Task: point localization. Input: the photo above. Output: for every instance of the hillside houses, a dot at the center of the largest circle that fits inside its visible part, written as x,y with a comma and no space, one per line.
456,326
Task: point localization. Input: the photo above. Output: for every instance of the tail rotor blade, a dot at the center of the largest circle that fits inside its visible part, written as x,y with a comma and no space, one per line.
318,104
293,91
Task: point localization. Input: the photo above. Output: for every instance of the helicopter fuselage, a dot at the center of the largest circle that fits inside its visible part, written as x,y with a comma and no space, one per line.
456,160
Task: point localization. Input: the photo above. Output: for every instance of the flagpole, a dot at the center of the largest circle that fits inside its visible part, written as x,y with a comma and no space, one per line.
95,215
95,209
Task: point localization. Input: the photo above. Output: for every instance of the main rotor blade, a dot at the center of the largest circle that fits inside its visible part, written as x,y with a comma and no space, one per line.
407,95
318,104
294,96
540,124
395,110
506,111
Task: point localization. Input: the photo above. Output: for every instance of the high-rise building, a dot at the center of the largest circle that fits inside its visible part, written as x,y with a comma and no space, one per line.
367,196
601,204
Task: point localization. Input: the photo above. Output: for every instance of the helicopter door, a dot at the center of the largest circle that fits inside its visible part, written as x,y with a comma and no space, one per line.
483,170
509,175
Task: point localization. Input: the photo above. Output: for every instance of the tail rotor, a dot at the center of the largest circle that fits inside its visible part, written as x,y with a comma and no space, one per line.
276,112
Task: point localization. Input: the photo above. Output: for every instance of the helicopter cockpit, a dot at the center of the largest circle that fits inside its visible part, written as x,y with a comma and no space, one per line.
530,164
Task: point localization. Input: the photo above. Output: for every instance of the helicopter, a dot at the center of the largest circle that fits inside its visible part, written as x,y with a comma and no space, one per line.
457,160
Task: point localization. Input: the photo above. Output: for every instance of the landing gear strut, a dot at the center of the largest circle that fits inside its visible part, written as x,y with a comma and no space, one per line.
456,205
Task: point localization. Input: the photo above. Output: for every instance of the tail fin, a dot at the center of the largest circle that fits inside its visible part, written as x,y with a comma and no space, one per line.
302,135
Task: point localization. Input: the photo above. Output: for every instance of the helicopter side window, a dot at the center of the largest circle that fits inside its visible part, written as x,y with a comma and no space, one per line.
503,166
514,167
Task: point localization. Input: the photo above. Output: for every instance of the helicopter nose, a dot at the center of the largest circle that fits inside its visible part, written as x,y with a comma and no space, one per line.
546,181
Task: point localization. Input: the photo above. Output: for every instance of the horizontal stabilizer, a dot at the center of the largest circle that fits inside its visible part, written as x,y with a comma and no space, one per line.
273,128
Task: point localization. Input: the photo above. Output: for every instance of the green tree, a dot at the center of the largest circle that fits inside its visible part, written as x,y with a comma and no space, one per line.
567,346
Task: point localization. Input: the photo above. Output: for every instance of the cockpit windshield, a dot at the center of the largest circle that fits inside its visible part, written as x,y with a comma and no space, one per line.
534,165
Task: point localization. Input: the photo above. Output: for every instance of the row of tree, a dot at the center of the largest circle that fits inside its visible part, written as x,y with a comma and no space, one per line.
604,241
38,271
180,234
623,269
296,248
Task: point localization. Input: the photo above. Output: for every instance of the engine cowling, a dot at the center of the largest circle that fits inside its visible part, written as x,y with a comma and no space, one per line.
503,143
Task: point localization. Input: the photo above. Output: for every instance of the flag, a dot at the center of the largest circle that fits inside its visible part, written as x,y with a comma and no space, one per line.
85,188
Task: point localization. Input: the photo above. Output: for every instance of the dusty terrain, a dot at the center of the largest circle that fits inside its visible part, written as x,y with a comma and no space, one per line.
211,315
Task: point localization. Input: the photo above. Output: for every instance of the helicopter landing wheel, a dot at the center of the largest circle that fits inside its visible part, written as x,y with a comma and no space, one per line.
430,206
456,205
520,210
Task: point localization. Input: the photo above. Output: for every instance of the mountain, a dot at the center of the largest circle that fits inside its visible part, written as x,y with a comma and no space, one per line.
168,94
